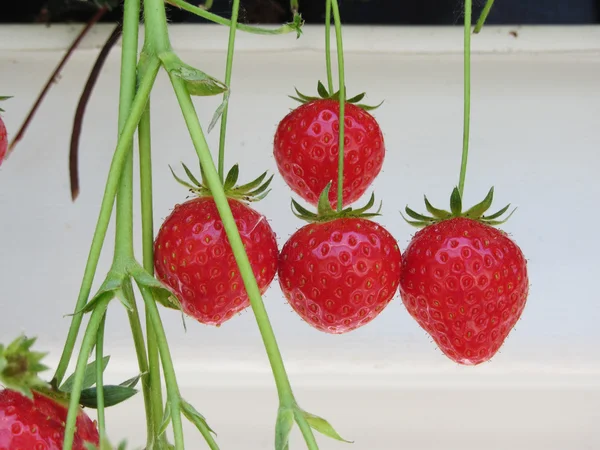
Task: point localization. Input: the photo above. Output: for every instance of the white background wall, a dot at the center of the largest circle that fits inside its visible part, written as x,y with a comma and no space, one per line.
535,137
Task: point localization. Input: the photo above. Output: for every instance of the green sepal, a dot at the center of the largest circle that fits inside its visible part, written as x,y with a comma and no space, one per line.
19,366
480,208
113,395
89,377
476,212
2,98
195,417
324,94
253,191
283,428
322,426
326,213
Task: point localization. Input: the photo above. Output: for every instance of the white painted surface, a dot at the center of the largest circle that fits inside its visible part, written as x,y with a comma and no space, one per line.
535,136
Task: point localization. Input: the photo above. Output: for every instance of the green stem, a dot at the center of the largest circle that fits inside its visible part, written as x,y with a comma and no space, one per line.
154,379
328,45
173,395
483,16
100,381
230,49
467,96
212,179
155,17
340,55
294,6
306,431
87,344
116,168
286,28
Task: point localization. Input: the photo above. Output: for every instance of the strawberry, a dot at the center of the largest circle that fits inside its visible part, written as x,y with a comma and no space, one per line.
306,147
194,258
32,416
341,271
3,136
40,423
464,281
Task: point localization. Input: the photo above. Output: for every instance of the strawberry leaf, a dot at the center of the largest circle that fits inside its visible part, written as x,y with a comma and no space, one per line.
197,82
160,292
131,382
232,177
195,417
322,90
417,216
437,213
283,428
356,98
166,420
89,377
219,112
496,214
113,395
322,426
191,176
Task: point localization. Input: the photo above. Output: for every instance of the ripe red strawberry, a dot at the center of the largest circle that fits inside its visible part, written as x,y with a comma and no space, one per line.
464,281
39,424
193,256
338,274
306,148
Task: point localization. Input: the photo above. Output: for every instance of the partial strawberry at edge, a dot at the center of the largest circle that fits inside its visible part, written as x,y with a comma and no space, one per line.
39,423
3,134
464,281
306,147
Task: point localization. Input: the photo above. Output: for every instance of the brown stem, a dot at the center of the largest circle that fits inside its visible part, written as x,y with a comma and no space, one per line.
81,106
53,77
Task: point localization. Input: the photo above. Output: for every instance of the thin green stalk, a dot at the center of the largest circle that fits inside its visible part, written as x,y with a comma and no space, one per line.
156,20
483,16
212,179
154,380
294,6
116,168
87,344
287,28
100,381
230,49
306,431
340,55
467,96
328,45
173,395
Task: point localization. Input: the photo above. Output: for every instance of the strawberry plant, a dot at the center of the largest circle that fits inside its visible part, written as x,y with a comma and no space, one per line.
464,281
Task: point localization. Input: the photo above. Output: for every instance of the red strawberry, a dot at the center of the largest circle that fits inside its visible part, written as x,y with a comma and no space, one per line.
306,148
3,137
193,255
464,281
39,424
339,274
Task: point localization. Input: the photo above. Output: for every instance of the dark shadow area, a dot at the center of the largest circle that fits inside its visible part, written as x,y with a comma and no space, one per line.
362,12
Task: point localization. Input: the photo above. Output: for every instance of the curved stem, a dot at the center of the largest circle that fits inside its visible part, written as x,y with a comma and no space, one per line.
483,16
116,168
212,179
467,96
230,49
86,348
340,55
100,381
173,394
154,380
328,45
287,28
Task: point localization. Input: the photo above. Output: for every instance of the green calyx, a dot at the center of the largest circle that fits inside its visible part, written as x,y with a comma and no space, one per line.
477,212
250,192
19,366
326,213
324,94
2,98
